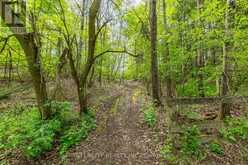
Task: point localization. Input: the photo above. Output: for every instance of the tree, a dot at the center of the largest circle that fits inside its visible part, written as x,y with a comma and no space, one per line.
200,56
154,60
227,55
31,44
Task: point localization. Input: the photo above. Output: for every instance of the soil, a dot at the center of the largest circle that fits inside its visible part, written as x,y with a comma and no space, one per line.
121,137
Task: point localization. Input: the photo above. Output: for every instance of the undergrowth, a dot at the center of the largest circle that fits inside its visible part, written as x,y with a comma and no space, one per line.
22,129
189,147
150,115
236,129
191,142
74,134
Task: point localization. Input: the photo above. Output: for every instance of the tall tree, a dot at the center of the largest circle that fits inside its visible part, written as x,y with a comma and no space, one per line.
31,44
169,82
227,55
154,59
200,53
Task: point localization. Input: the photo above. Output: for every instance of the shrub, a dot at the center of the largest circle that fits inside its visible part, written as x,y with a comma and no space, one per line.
191,143
25,130
41,137
28,133
150,116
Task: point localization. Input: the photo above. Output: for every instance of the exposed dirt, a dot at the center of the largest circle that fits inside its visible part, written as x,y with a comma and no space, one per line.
121,137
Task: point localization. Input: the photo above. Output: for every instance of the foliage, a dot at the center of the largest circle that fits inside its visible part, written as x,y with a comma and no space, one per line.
186,29
216,148
190,149
150,115
236,128
191,142
28,133
40,137
166,151
74,134
24,130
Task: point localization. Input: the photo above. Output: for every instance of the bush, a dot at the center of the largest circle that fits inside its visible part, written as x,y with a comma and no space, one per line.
41,137
150,116
25,130
28,133
191,143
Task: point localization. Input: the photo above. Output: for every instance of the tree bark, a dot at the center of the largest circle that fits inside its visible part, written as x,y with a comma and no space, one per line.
200,56
92,37
32,53
154,60
58,92
168,81
10,67
227,50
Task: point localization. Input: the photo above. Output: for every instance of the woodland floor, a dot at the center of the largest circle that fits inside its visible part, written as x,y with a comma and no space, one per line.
121,137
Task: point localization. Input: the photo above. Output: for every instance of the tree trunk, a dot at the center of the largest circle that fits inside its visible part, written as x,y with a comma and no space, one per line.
91,79
154,60
227,50
10,67
58,94
200,56
32,53
92,37
168,81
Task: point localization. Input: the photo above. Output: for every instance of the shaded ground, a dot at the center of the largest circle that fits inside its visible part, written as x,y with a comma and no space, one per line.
122,137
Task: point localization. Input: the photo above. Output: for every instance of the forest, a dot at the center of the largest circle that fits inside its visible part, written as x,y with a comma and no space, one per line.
151,82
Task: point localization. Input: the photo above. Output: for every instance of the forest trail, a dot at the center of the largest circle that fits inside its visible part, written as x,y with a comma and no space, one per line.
122,137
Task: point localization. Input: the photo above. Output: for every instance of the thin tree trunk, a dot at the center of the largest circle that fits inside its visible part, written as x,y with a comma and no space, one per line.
94,9
227,50
200,56
154,60
10,67
62,61
168,81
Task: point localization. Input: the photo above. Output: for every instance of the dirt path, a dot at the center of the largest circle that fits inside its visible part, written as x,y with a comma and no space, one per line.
121,138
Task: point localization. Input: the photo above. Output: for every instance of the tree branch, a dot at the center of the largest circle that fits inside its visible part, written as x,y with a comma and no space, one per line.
100,29
116,51
5,43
